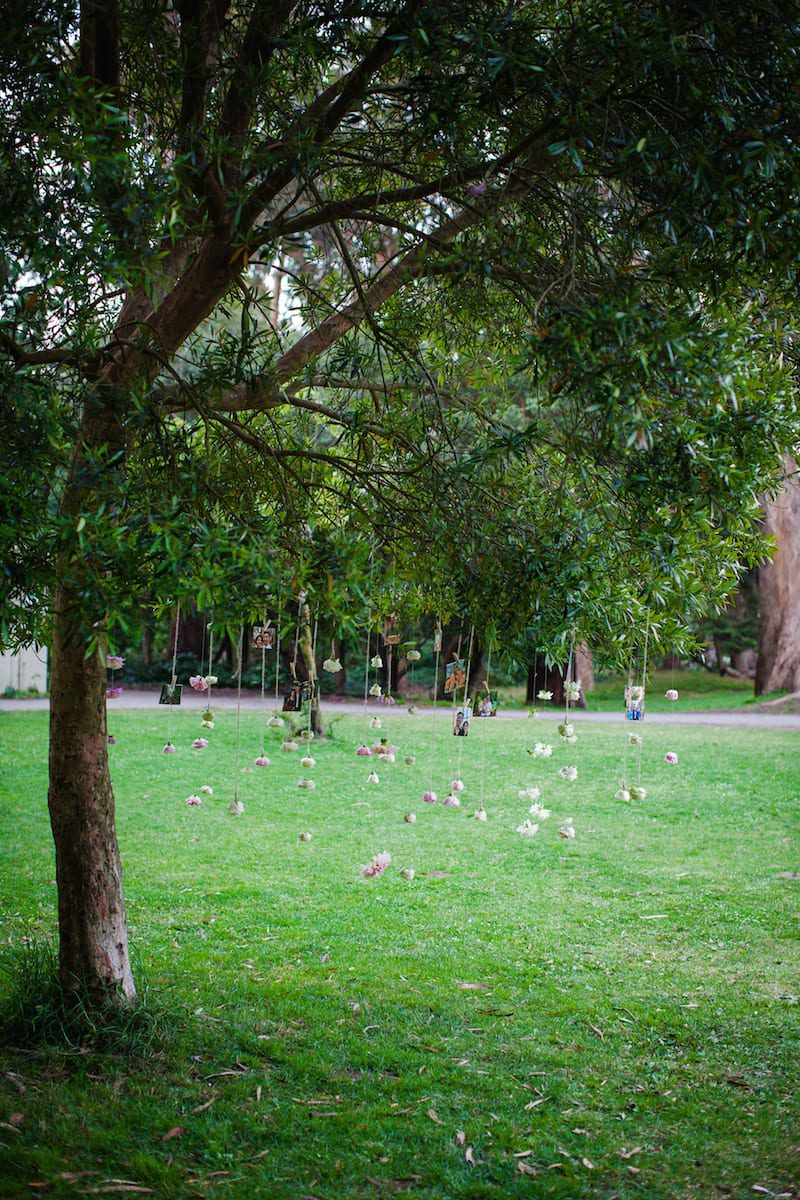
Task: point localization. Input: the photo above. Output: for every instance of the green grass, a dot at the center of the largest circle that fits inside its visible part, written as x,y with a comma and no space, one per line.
635,1032
698,689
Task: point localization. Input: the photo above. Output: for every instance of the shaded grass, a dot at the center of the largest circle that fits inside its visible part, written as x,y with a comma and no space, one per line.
638,999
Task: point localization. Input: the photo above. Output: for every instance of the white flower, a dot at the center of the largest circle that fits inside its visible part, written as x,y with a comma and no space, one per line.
410,759
308,784
572,689
375,723
305,837
376,662
529,793
288,745
410,818
571,740
622,794
407,873
566,830
456,786
332,664
566,729
413,656
671,694
275,722
306,734
308,761
568,773
527,829
387,757
205,790
480,815
211,680
634,739
235,808
638,793
375,690
544,695
373,777
538,813
541,750
412,710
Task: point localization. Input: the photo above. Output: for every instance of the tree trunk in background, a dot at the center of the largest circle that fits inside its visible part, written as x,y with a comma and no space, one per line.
778,667
305,644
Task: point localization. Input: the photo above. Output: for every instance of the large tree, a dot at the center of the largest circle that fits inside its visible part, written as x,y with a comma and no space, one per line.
511,362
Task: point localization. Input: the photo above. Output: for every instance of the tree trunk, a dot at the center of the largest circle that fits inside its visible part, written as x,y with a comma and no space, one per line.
91,906
778,667
305,644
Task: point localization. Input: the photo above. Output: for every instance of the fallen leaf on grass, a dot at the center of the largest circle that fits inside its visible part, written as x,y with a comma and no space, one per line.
16,1119
204,1107
522,1153
633,1170
526,1169
469,1156
586,1163
16,1081
461,1137
733,1080
653,916
118,1185
434,1116
474,987
176,1132
623,1153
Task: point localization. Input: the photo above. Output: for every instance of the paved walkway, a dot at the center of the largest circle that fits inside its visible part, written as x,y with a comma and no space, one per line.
226,698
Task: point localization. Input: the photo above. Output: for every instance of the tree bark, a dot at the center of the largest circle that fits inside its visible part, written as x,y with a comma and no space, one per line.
778,667
93,938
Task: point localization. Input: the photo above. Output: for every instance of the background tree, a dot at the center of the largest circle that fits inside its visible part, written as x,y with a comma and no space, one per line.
510,346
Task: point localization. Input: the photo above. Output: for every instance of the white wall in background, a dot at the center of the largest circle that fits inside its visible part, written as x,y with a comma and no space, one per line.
27,668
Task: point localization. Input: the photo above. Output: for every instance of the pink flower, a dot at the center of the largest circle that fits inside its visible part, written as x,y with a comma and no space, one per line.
199,743
429,797
451,801
112,741
377,865
115,662
671,694
363,752
477,189
671,757
261,761
193,801
113,692
198,683
456,786
168,749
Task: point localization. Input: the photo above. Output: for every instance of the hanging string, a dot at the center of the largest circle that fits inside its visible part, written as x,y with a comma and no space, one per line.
535,670
644,682
278,656
453,703
210,628
297,635
263,689
369,638
437,641
484,723
312,670
570,664
174,676
238,718
466,696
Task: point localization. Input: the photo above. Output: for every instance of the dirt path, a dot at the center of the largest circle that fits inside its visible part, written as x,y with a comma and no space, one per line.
139,698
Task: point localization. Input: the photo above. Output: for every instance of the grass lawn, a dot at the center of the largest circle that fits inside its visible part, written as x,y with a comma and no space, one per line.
612,1016
699,689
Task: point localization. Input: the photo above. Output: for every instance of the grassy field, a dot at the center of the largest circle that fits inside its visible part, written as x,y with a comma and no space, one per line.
698,689
612,1016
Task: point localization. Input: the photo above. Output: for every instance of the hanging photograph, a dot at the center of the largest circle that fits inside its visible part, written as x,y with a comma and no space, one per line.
463,717
390,634
170,693
262,636
455,675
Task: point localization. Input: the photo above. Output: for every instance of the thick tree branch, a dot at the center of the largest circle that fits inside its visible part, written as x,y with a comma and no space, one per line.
38,358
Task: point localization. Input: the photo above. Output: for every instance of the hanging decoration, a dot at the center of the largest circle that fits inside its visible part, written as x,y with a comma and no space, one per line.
429,796
236,807
261,638
572,693
171,692
634,712
412,656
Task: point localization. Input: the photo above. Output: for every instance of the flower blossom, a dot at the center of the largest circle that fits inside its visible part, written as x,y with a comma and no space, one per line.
115,662
275,722
671,757
288,746
568,773
199,743
304,837
529,793
413,656
456,786
308,761
308,784
412,710
375,723
377,865
538,812
261,761
544,695
572,689
407,873
235,808
410,759
635,739
622,794
376,662
480,815
332,664
376,690
638,793
113,692
429,797
363,752
373,777
541,750
168,748
410,818
198,683
671,694
527,828
451,801
193,801
567,829
205,790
